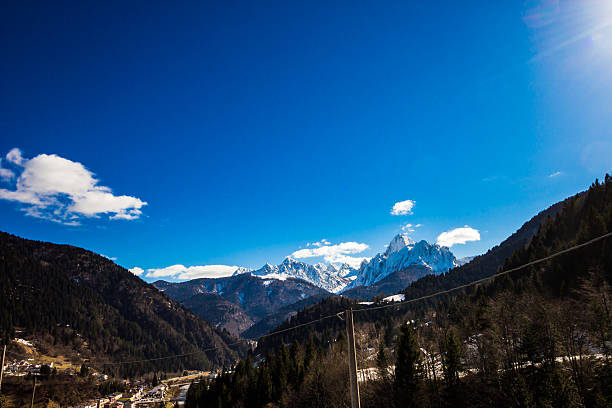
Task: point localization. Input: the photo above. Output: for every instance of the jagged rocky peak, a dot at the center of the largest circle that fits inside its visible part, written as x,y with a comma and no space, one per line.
399,242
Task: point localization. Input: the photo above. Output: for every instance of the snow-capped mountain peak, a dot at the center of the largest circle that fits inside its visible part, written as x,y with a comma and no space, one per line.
402,252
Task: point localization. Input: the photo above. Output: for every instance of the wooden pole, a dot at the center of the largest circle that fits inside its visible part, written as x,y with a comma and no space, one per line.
352,359
33,393
2,367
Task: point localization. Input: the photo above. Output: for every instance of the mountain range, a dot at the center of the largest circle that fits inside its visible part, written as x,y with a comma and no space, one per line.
252,301
401,253
332,278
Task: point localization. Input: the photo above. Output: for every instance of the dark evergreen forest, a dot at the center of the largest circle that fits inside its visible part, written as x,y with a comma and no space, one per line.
66,296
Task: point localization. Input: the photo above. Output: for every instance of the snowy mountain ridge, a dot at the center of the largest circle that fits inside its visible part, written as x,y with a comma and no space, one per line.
332,278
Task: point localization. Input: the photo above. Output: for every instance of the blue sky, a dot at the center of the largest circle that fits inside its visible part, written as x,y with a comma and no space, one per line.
218,134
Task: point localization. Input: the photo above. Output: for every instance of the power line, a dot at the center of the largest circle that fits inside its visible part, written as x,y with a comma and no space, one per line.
173,356
300,325
211,348
535,262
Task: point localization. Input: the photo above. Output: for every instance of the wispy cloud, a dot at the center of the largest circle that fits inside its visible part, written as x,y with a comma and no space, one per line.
555,174
411,227
458,236
338,253
490,178
60,190
403,207
182,272
318,243
112,258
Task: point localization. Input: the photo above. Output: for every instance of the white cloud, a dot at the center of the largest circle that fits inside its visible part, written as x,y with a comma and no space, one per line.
183,272
555,174
60,190
112,258
14,156
402,207
411,227
458,236
334,253
136,271
6,174
352,261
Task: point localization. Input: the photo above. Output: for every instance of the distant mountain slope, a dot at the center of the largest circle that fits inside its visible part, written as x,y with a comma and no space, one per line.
220,312
271,321
69,293
254,296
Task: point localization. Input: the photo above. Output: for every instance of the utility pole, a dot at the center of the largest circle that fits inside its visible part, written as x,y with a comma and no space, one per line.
33,392
352,359
2,367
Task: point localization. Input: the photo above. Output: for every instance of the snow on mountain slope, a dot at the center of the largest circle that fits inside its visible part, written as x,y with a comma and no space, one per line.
332,278
464,260
401,253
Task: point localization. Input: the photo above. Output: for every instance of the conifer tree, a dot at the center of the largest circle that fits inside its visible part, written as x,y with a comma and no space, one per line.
408,371
451,358
382,362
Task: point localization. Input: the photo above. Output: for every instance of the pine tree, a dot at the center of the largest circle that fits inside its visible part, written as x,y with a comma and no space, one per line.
408,371
451,366
451,358
382,362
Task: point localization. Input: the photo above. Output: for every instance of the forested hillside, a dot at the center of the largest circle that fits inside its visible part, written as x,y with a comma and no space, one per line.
538,337
67,295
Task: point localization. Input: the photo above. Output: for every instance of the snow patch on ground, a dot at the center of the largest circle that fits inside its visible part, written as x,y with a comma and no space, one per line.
25,342
395,298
